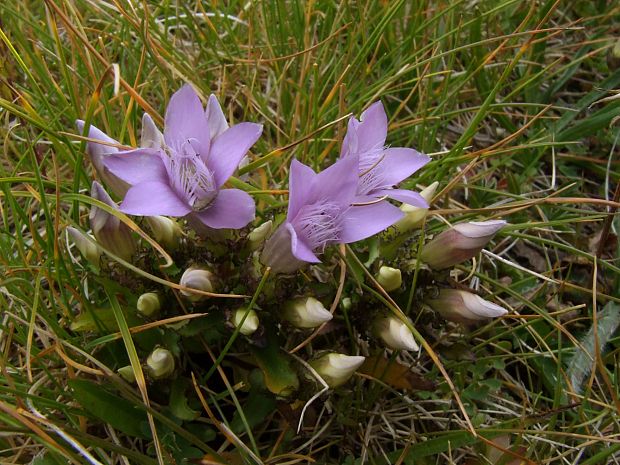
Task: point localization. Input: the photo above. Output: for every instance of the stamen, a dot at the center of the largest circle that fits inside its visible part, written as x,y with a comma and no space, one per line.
319,224
371,171
189,176
370,181
372,202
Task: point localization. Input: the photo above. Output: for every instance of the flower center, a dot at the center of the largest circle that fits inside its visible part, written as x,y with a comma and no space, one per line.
190,177
319,224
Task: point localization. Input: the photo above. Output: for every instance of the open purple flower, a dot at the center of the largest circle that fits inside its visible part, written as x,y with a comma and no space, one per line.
321,212
381,168
182,173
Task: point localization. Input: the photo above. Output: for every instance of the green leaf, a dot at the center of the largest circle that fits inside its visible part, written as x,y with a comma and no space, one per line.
178,400
94,320
104,405
280,378
256,408
581,364
49,458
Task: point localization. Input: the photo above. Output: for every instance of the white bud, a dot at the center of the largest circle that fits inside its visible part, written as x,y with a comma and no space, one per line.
111,233
127,374
459,243
306,312
415,215
258,235
87,248
148,303
336,369
248,325
165,230
389,278
160,363
196,278
464,307
395,333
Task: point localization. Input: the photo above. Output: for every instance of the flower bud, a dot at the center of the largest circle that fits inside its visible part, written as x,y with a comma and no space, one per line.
464,307
306,312
160,363
165,230
415,215
394,333
148,303
336,369
88,249
247,319
111,233
258,235
196,278
389,278
459,243
127,374
277,253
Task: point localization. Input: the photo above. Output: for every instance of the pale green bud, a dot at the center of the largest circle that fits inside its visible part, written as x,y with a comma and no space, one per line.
165,230
336,369
148,303
389,278
459,243
306,312
197,278
258,235
89,250
414,216
111,233
346,303
394,333
127,374
464,307
160,363
248,325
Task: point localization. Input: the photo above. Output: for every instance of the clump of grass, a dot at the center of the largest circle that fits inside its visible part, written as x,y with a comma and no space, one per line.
504,96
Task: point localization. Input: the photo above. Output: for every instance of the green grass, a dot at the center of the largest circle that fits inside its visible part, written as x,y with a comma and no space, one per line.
503,95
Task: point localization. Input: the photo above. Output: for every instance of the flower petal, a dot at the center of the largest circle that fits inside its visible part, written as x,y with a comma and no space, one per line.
300,250
150,137
137,166
405,196
350,142
337,183
97,152
399,163
232,208
300,181
153,198
361,222
215,117
372,130
229,148
185,119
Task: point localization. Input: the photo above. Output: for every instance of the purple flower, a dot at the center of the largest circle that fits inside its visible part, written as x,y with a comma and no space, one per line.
98,153
381,168
322,212
182,172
